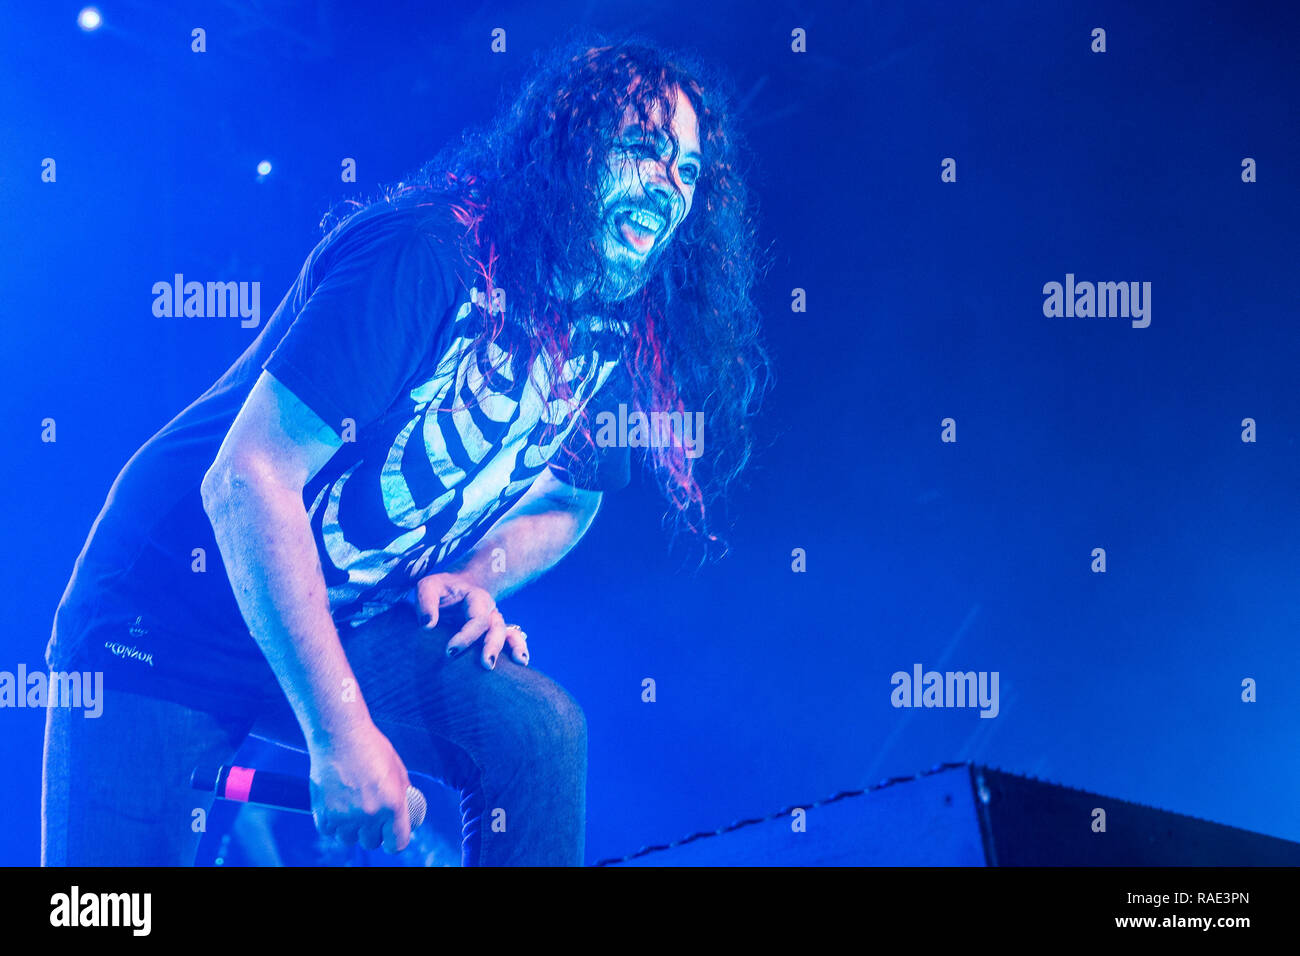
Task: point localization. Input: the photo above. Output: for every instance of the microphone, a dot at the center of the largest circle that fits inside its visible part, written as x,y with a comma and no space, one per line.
277,790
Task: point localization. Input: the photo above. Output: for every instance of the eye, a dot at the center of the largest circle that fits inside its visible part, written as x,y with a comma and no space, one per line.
643,149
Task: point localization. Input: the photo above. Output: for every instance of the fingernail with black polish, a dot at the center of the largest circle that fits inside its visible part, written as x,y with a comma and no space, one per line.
492,662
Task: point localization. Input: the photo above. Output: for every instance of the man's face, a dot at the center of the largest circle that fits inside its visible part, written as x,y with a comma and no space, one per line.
642,210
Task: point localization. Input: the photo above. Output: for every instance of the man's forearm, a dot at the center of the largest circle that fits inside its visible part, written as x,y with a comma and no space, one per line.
270,556
534,535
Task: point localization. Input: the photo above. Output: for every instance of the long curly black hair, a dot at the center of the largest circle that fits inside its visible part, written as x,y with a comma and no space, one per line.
527,188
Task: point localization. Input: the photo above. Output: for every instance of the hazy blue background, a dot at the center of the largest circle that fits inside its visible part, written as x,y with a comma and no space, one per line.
924,301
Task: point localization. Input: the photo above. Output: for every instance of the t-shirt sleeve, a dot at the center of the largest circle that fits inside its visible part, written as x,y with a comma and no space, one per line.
581,462
363,331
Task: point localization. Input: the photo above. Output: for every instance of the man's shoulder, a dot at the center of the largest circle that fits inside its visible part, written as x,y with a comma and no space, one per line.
385,228
433,218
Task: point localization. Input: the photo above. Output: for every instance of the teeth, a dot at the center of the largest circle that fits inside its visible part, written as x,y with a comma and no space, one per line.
646,220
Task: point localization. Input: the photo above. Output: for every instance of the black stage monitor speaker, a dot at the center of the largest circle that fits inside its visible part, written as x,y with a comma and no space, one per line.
971,815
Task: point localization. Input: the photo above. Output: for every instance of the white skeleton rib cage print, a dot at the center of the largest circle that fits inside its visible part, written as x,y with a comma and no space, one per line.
483,445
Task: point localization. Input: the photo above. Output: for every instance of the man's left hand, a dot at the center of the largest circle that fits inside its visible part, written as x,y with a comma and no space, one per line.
435,592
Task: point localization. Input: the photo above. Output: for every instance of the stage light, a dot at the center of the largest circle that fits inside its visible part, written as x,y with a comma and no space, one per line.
89,19
264,168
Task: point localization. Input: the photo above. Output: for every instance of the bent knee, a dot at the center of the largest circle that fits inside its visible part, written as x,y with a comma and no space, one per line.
539,718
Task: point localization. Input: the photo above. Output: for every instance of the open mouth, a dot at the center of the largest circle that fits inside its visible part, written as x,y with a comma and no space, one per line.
639,228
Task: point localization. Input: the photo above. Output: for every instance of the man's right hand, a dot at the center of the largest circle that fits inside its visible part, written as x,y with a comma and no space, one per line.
358,790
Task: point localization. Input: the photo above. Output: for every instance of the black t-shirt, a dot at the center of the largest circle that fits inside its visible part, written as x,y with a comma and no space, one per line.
438,445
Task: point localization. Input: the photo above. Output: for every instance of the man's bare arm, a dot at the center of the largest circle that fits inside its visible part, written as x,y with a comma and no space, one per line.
252,494
532,537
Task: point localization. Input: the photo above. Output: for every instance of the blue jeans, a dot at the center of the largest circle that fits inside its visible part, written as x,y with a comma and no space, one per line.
116,788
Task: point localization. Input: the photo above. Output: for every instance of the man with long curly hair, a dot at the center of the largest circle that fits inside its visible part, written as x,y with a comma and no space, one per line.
313,547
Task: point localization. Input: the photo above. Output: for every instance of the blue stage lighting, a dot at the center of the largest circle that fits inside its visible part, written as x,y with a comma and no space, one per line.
89,19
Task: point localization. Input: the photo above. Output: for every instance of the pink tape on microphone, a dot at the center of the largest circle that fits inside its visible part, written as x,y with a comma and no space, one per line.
239,783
